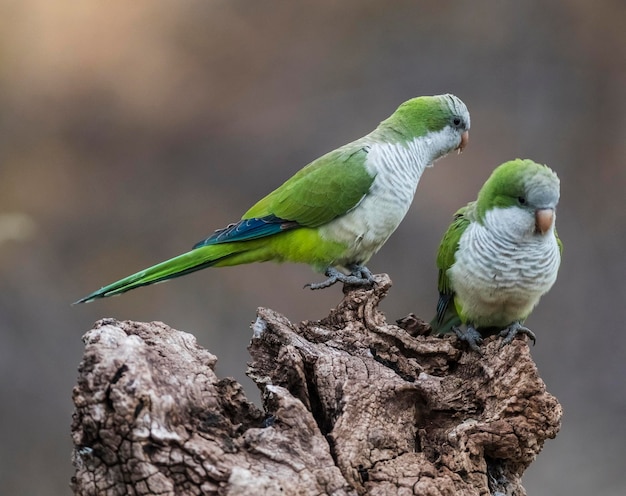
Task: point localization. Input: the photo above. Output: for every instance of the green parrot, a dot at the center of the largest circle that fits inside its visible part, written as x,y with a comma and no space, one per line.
500,255
336,212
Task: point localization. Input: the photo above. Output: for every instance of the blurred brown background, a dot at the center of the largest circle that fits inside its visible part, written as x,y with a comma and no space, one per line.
131,130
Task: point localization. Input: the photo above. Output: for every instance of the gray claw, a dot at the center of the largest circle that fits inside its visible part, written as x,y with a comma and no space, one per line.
513,330
471,336
359,276
362,273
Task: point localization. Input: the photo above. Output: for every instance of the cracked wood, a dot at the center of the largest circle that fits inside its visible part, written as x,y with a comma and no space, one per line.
351,405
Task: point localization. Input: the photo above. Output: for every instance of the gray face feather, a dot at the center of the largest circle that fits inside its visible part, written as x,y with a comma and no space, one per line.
542,189
458,108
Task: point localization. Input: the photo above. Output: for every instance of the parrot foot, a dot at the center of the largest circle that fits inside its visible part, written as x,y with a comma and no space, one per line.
513,330
471,336
359,276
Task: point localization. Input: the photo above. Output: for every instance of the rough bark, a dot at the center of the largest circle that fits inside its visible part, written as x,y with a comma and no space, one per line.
351,405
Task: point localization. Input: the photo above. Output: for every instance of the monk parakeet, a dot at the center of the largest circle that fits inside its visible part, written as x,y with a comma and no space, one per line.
500,254
337,211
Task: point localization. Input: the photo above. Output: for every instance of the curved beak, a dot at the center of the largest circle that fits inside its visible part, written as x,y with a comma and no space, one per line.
463,143
544,218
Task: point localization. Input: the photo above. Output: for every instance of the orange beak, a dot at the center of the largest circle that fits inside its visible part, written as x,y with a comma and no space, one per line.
463,143
544,218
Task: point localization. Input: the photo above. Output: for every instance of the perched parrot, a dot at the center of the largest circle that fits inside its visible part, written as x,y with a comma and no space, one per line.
337,211
500,255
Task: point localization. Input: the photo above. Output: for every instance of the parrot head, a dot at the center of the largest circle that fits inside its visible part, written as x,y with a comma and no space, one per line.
528,192
445,115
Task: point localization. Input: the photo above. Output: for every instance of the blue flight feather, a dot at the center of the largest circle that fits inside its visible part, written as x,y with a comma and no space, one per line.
247,229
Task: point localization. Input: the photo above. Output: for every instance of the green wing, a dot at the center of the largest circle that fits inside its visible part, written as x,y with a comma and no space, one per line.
450,243
559,242
446,312
323,190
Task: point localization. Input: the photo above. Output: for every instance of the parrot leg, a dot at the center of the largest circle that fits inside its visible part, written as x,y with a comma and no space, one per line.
471,336
359,276
513,330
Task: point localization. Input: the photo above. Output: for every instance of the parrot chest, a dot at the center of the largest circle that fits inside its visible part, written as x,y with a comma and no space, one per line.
367,226
499,280
365,229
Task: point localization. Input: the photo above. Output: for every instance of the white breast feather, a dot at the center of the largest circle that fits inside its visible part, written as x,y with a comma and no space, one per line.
397,169
502,268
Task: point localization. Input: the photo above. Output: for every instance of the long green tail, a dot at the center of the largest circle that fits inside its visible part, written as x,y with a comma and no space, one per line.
196,259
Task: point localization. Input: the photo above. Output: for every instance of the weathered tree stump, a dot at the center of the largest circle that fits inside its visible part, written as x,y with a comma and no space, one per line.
351,405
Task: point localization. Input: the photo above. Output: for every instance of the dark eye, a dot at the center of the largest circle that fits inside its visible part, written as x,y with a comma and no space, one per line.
457,121
521,200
